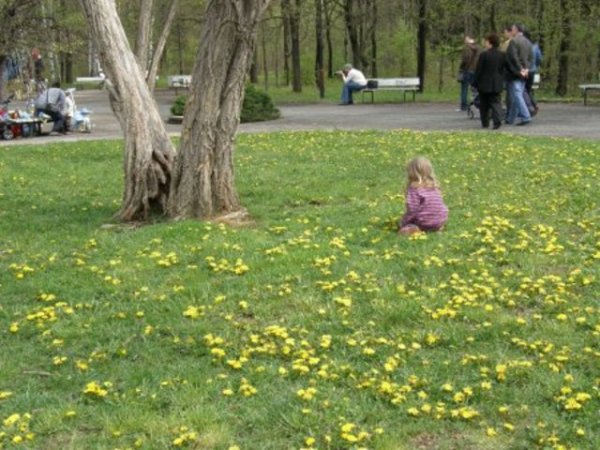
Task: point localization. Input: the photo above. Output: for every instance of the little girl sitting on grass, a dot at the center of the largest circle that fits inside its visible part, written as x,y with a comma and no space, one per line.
425,209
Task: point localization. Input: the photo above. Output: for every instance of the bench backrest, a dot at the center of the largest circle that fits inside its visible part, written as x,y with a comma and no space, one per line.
398,82
179,80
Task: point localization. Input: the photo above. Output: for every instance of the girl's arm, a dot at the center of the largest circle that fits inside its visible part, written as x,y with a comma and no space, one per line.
413,206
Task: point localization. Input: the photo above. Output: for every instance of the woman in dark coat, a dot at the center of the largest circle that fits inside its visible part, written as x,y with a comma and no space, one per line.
489,81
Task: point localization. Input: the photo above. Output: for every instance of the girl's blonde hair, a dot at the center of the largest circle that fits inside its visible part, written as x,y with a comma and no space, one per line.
420,173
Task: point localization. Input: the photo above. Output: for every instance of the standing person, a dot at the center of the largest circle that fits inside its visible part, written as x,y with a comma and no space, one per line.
38,69
533,70
507,34
425,208
52,102
466,70
489,81
354,80
518,61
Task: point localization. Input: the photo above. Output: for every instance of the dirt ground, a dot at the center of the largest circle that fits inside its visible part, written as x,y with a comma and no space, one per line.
554,119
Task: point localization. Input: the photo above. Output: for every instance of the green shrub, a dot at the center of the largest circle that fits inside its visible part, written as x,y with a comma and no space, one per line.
178,106
257,106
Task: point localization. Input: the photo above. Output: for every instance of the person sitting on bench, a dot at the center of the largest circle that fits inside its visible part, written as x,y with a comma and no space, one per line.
52,102
354,80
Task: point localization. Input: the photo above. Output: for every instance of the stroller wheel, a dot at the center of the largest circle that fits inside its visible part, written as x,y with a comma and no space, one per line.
7,134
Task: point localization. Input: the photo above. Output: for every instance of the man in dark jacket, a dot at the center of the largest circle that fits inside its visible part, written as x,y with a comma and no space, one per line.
489,81
518,60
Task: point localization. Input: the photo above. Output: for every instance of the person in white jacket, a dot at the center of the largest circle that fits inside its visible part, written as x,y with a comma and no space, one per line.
354,80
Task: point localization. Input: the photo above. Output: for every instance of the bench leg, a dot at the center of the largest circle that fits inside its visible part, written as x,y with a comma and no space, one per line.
585,97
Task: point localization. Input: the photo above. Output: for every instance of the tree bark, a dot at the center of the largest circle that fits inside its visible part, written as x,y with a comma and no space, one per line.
148,150
160,45
142,43
203,176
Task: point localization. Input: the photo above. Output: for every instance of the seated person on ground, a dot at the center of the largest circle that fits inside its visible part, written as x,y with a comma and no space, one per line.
52,103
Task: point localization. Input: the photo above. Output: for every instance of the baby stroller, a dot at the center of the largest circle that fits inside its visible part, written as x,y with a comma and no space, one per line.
474,105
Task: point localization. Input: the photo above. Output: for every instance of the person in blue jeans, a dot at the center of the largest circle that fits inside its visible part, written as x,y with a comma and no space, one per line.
354,80
468,63
518,61
533,70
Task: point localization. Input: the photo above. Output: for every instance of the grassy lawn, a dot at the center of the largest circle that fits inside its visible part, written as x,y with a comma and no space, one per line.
316,326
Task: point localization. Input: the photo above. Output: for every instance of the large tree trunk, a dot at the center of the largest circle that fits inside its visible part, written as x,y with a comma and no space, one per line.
203,174
142,43
148,149
160,45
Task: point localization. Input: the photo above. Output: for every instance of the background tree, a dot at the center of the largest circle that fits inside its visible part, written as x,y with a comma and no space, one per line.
294,23
203,176
422,43
319,51
16,17
161,43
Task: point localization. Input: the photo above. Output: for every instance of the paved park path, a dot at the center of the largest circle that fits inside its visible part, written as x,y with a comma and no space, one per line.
554,119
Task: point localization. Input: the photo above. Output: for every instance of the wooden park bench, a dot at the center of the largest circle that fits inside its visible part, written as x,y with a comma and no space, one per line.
179,81
588,87
405,85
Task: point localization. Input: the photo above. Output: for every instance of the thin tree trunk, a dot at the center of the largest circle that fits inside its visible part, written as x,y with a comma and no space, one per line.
422,43
565,46
148,149
142,43
3,59
319,72
203,176
352,32
295,36
265,60
327,12
253,72
179,47
160,45
285,16
373,36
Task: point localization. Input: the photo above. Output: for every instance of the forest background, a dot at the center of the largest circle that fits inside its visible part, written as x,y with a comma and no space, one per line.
301,43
